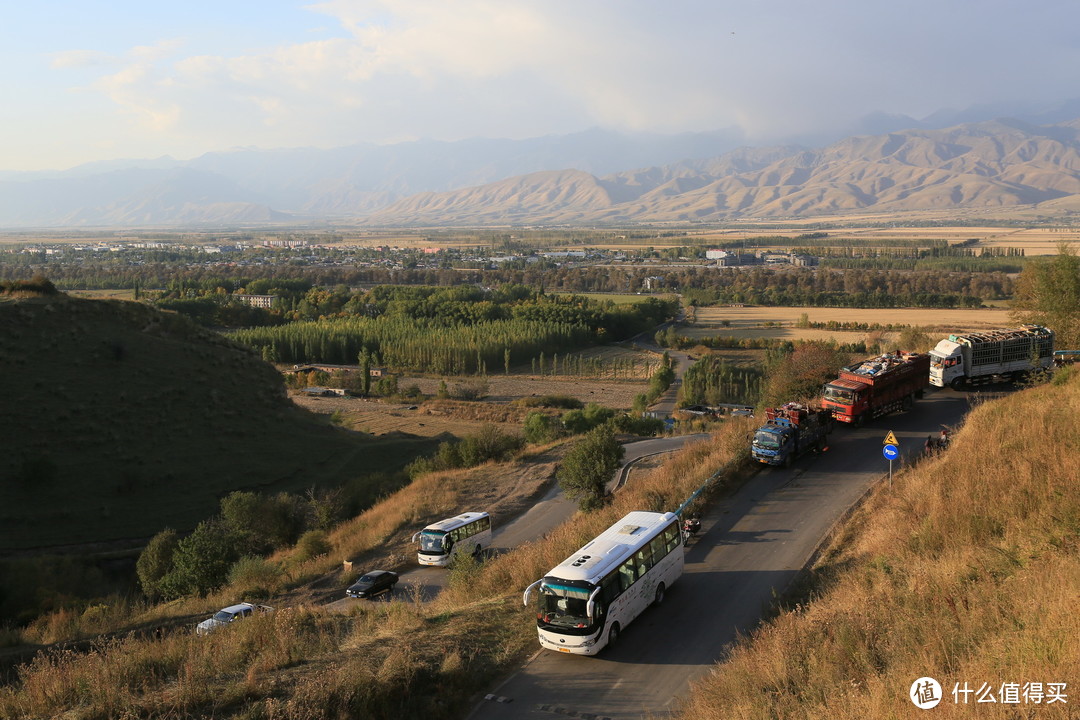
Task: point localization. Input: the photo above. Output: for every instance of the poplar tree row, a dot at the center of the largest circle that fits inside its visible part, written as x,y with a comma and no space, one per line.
416,344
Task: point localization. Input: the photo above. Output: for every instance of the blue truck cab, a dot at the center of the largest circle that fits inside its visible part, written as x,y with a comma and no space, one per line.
791,430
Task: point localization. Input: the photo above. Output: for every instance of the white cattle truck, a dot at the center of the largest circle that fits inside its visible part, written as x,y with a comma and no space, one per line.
975,358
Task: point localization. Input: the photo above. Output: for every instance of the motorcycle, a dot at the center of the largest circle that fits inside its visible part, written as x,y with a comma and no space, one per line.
691,527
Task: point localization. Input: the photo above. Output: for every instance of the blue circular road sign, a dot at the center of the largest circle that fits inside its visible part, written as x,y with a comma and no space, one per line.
891,452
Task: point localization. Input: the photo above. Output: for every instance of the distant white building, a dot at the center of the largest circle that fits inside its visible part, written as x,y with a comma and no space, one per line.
259,301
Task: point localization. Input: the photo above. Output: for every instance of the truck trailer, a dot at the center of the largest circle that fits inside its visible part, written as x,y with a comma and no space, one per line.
977,358
791,430
877,386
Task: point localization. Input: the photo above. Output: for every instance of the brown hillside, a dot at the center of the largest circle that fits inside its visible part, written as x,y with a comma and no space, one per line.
997,164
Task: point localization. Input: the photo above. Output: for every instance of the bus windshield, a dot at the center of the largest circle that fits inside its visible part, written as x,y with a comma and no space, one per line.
838,394
766,440
431,541
564,605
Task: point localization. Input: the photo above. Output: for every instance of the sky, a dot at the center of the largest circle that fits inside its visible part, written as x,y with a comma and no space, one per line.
84,81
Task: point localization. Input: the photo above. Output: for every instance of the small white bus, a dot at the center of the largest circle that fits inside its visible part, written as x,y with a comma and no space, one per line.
468,532
591,596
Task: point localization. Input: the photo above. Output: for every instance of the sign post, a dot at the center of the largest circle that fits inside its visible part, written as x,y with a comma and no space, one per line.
891,450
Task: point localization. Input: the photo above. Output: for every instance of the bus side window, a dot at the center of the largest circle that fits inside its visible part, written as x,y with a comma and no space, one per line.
611,589
626,574
485,523
659,547
644,560
671,534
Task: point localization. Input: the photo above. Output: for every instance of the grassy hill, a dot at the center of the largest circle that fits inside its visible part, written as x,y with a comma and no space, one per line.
121,420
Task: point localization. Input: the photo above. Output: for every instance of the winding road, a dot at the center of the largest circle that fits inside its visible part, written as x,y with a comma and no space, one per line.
753,544
546,514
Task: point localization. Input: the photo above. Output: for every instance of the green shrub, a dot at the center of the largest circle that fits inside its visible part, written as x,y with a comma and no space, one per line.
589,465
462,570
645,426
1062,376
255,577
551,401
156,561
540,428
489,443
201,561
311,544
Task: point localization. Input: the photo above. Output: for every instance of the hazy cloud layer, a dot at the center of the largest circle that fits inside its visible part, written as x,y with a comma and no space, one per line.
136,80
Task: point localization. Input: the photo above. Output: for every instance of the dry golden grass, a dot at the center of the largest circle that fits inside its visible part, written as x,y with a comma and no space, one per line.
966,570
403,658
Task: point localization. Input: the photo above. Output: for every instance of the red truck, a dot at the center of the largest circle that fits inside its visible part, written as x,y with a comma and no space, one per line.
877,386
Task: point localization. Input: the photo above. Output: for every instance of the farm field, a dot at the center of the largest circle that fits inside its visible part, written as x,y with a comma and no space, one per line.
1034,241
120,294
749,322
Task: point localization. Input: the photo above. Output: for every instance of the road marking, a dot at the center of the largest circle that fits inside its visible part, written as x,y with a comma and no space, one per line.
498,698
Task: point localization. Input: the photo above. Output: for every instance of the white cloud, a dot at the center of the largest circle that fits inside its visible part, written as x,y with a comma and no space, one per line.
399,69
82,59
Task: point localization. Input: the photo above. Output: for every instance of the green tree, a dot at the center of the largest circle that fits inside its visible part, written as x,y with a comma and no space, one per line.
387,386
641,403
798,373
325,508
242,514
202,560
588,467
914,339
540,428
592,415
1048,293
365,370
156,561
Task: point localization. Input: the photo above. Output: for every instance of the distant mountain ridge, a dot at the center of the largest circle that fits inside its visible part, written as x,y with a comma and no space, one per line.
591,177
983,165
305,185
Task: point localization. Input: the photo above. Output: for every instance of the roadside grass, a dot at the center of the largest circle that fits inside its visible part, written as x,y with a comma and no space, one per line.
966,570
402,658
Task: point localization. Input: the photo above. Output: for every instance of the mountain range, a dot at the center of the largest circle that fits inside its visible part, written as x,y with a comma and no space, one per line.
593,177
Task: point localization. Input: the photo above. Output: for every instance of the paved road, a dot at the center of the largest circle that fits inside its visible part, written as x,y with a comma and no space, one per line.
752,544
549,512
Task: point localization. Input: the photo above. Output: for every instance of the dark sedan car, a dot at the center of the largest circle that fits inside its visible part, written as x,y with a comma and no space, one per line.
373,583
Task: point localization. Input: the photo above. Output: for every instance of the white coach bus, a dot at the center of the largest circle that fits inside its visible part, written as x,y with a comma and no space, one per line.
590,597
468,532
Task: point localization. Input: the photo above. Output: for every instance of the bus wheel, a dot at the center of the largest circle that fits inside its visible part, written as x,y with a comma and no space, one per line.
659,599
613,635
476,551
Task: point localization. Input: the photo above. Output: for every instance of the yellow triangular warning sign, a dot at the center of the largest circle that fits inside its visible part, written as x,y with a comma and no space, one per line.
890,439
